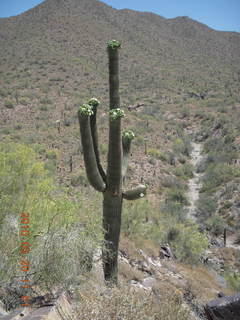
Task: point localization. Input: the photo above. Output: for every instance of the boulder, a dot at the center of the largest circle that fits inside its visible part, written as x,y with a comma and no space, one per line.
166,252
225,308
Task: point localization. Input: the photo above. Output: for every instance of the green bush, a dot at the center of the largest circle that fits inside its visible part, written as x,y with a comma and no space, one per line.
206,207
174,209
24,101
217,175
63,232
189,243
176,195
172,182
45,100
4,92
51,154
233,279
185,171
79,180
182,146
18,127
135,216
43,107
39,148
154,153
216,225
9,104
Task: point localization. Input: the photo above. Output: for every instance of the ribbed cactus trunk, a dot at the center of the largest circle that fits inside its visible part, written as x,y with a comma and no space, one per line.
112,199
111,183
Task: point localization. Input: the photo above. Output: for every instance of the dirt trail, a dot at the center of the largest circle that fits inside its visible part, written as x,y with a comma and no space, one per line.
194,184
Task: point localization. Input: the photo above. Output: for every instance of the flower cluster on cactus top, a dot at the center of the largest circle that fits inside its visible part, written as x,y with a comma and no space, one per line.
86,110
128,135
94,102
116,114
114,44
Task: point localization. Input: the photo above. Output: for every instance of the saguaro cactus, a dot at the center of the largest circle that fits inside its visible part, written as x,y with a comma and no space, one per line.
111,182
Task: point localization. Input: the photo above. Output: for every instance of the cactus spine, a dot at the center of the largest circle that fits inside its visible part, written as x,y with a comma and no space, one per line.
111,183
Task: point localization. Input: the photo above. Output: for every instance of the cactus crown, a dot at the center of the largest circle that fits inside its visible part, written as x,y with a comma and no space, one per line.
128,135
116,114
86,110
114,44
93,102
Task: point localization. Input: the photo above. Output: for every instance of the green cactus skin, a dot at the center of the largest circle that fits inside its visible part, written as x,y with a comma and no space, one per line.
94,132
89,154
127,138
113,57
110,184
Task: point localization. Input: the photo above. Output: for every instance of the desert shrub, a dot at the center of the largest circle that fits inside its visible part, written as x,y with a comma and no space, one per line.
206,207
174,209
217,175
172,182
43,107
4,92
67,122
135,215
233,279
215,224
39,148
157,154
6,131
79,180
62,231
18,127
139,141
51,154
185,112
45,100
185,171
51,166
182,146
189,244
176,195
24,101
200,114
171,158
31,138
182,159
152,161
9,104
127,304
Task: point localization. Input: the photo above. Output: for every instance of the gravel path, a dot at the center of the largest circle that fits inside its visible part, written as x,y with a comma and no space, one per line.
194,184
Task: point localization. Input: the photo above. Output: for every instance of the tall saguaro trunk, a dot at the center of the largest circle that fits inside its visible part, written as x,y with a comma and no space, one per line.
112,199
112,210
111,183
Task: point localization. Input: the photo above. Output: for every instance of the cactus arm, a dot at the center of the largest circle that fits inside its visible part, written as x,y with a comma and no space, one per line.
113,57
137,193
126,151
94,132
93,174
127,138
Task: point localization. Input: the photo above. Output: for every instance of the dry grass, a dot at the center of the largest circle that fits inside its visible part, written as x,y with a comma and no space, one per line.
128,304
202,282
